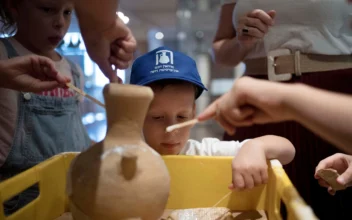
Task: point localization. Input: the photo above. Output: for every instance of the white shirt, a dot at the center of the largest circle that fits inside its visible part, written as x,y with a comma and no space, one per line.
212,147
310,26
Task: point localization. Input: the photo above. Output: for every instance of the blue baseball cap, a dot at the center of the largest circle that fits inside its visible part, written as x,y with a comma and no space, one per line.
164,63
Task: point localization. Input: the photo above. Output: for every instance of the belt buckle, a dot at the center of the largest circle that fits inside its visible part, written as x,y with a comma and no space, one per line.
271,65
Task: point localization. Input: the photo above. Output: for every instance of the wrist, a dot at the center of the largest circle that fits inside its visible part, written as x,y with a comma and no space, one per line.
241,50
244,48
258,146
291,98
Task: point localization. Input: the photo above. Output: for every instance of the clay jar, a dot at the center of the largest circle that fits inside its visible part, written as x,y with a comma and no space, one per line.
120,177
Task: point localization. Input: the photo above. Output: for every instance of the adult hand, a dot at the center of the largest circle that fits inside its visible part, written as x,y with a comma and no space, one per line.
253,26
342,163
250,101
114,46
30,73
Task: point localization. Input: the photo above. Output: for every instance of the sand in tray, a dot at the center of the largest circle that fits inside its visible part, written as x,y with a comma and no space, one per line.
201,214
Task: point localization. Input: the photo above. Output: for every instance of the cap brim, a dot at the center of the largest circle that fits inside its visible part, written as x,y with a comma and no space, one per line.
171,76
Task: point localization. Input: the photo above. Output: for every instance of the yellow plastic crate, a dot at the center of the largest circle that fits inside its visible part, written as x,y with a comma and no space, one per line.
195,182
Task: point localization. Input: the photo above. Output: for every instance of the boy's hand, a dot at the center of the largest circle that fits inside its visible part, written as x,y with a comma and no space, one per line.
30,73
249,167
342,163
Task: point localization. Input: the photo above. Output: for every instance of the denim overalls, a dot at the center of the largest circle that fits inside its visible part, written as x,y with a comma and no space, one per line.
45,126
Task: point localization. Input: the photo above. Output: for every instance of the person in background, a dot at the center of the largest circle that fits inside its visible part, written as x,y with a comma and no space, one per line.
292,41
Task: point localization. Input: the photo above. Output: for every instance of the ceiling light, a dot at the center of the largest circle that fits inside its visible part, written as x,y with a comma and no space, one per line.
123,17
181,35
159,35
120,14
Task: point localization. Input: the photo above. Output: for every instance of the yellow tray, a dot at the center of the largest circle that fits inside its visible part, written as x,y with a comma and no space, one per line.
195,182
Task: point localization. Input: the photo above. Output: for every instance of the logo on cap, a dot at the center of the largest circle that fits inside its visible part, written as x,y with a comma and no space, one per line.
164,62
164,57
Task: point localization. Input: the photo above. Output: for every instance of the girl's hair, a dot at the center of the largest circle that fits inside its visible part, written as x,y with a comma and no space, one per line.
7,21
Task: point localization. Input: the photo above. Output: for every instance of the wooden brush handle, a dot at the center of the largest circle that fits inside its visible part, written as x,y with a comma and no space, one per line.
71,86
181,125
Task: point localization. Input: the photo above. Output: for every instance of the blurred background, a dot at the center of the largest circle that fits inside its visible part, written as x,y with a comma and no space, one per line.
184,25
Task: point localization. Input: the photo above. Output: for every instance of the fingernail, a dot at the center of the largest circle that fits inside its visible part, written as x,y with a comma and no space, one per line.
341,180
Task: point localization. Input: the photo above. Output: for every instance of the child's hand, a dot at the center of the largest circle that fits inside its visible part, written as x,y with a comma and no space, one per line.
30,73
249,167
342,163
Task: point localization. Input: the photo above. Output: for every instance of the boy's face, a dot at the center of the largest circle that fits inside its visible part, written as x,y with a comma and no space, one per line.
171,104
42,24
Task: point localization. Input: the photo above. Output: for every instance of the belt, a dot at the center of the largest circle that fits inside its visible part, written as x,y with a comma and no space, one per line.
281,64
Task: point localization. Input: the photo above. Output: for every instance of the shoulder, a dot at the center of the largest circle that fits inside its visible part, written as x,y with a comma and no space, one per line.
215,147
212,147
77,70
190,147
202,148
205,142
71,64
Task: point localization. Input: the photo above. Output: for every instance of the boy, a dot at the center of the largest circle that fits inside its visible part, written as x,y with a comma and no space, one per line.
176,84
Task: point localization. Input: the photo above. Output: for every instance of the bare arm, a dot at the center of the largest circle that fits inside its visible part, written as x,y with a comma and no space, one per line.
325,113
252,101
275,147
96,14
227,50
249,167
107,39
231,46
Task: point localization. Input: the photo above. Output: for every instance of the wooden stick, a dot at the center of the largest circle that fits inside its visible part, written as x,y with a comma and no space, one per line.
214,206
181,125
224,197
71,86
